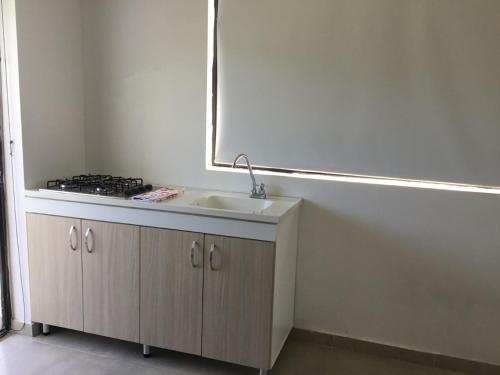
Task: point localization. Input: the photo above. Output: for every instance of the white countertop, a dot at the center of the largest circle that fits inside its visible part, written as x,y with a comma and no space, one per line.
181,204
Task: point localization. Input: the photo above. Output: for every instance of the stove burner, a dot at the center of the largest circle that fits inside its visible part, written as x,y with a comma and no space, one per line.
101,190
68,186
100,185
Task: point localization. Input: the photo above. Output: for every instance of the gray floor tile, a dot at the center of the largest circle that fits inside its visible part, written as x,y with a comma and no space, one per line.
350,363
73,353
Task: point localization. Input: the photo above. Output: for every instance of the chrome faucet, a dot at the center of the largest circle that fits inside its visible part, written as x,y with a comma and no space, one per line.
259,193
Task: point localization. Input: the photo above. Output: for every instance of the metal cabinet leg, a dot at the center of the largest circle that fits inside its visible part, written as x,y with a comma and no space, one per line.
146,351
262,372
45,329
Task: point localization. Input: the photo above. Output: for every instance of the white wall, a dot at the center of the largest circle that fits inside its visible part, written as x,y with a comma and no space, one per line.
51,84
133,88
403,266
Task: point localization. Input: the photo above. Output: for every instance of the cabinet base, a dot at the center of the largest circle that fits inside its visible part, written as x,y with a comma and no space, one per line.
45,329
146,351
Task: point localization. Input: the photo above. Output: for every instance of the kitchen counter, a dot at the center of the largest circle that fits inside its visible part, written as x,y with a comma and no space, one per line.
177,213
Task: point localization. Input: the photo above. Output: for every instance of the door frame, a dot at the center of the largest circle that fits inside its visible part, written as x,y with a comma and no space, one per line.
13,247
5,305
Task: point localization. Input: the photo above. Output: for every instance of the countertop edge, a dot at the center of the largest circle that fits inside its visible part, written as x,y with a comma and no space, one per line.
169,206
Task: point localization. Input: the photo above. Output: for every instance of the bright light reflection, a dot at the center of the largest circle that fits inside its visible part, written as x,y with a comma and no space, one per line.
210,57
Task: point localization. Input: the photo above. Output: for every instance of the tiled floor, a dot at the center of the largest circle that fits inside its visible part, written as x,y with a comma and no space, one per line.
72,353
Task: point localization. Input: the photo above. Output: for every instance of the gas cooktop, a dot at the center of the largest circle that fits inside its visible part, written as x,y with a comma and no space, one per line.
96,184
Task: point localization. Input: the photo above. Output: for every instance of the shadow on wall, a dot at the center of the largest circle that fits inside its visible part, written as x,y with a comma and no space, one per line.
395,276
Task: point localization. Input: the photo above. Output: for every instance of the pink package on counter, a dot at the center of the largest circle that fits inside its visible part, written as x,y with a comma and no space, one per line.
156,196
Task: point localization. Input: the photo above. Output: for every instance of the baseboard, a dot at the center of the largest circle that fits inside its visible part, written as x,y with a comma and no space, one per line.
408,355
26,329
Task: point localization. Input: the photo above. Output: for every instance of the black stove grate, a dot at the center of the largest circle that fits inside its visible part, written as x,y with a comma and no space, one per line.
100,185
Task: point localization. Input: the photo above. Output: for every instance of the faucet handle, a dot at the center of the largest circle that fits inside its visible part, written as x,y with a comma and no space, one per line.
259,193
262,191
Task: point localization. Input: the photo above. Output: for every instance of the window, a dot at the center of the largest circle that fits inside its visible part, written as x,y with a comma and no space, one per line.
376,89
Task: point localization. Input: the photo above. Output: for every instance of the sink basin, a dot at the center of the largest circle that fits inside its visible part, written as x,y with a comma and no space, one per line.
221,202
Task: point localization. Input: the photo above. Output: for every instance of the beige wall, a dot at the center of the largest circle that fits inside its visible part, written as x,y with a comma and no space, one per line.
403,266
51,86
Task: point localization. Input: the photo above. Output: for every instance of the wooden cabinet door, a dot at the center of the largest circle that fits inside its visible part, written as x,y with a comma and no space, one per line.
237,300
171,289
55,264
111,280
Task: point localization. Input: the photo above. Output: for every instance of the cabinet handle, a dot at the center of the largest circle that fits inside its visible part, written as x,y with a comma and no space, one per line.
211,257
193,246
72,231
88,233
